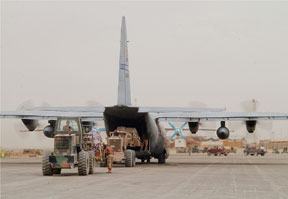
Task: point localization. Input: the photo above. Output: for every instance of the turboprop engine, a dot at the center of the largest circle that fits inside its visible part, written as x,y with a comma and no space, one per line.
251,125
193,127
31,125
223,131
49,130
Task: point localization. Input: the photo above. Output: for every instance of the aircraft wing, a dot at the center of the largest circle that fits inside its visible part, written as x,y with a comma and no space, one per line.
177,109
85,113
94,109
52,114
218,116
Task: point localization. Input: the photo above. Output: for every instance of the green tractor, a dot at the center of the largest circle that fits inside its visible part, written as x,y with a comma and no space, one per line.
71,149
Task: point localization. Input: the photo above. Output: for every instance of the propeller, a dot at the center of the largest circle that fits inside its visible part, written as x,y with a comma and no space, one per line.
178,131
97,129
20,127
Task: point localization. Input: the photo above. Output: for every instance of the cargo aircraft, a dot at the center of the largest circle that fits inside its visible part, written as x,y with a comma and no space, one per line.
145,119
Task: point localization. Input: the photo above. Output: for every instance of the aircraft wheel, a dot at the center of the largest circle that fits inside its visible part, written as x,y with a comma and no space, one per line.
161,159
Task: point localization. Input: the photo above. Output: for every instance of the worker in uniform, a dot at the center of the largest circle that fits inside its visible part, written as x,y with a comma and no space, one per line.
144,144
67,128
189,147
109,157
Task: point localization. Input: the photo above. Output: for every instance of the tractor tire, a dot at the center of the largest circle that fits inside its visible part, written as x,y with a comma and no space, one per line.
134,158
56,171
129,158
83,164
91,162
161,159
46,166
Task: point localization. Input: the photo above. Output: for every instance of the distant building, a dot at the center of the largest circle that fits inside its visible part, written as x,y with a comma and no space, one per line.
234,143
211,142
279,144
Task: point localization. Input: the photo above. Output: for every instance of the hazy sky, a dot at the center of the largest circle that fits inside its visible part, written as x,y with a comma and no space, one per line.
67,53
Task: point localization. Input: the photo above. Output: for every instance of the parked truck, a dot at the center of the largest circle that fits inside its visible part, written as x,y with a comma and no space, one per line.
254,151
218,151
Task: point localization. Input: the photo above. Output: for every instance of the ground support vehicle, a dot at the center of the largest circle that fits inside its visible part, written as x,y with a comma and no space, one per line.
233,150
275,150
204,150
181,150
70,149
250,151
261,151
254,151
195,149
125,141
218,151
284,150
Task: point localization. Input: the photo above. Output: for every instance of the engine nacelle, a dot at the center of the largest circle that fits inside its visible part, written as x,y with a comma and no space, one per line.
49,130
223,132
193,127
31,125
251,125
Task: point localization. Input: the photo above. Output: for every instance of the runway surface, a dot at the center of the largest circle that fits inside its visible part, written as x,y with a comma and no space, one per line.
196,176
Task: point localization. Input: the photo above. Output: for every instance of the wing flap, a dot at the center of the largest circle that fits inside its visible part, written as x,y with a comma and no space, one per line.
219,116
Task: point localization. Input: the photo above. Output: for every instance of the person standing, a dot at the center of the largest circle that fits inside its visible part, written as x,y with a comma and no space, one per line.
144,144
109,157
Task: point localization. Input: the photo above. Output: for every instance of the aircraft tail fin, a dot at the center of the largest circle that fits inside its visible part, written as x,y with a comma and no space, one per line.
124,96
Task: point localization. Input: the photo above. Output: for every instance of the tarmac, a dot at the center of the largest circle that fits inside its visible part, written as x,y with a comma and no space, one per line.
183,176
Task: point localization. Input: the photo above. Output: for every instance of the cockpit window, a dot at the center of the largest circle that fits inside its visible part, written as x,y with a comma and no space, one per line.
71,124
